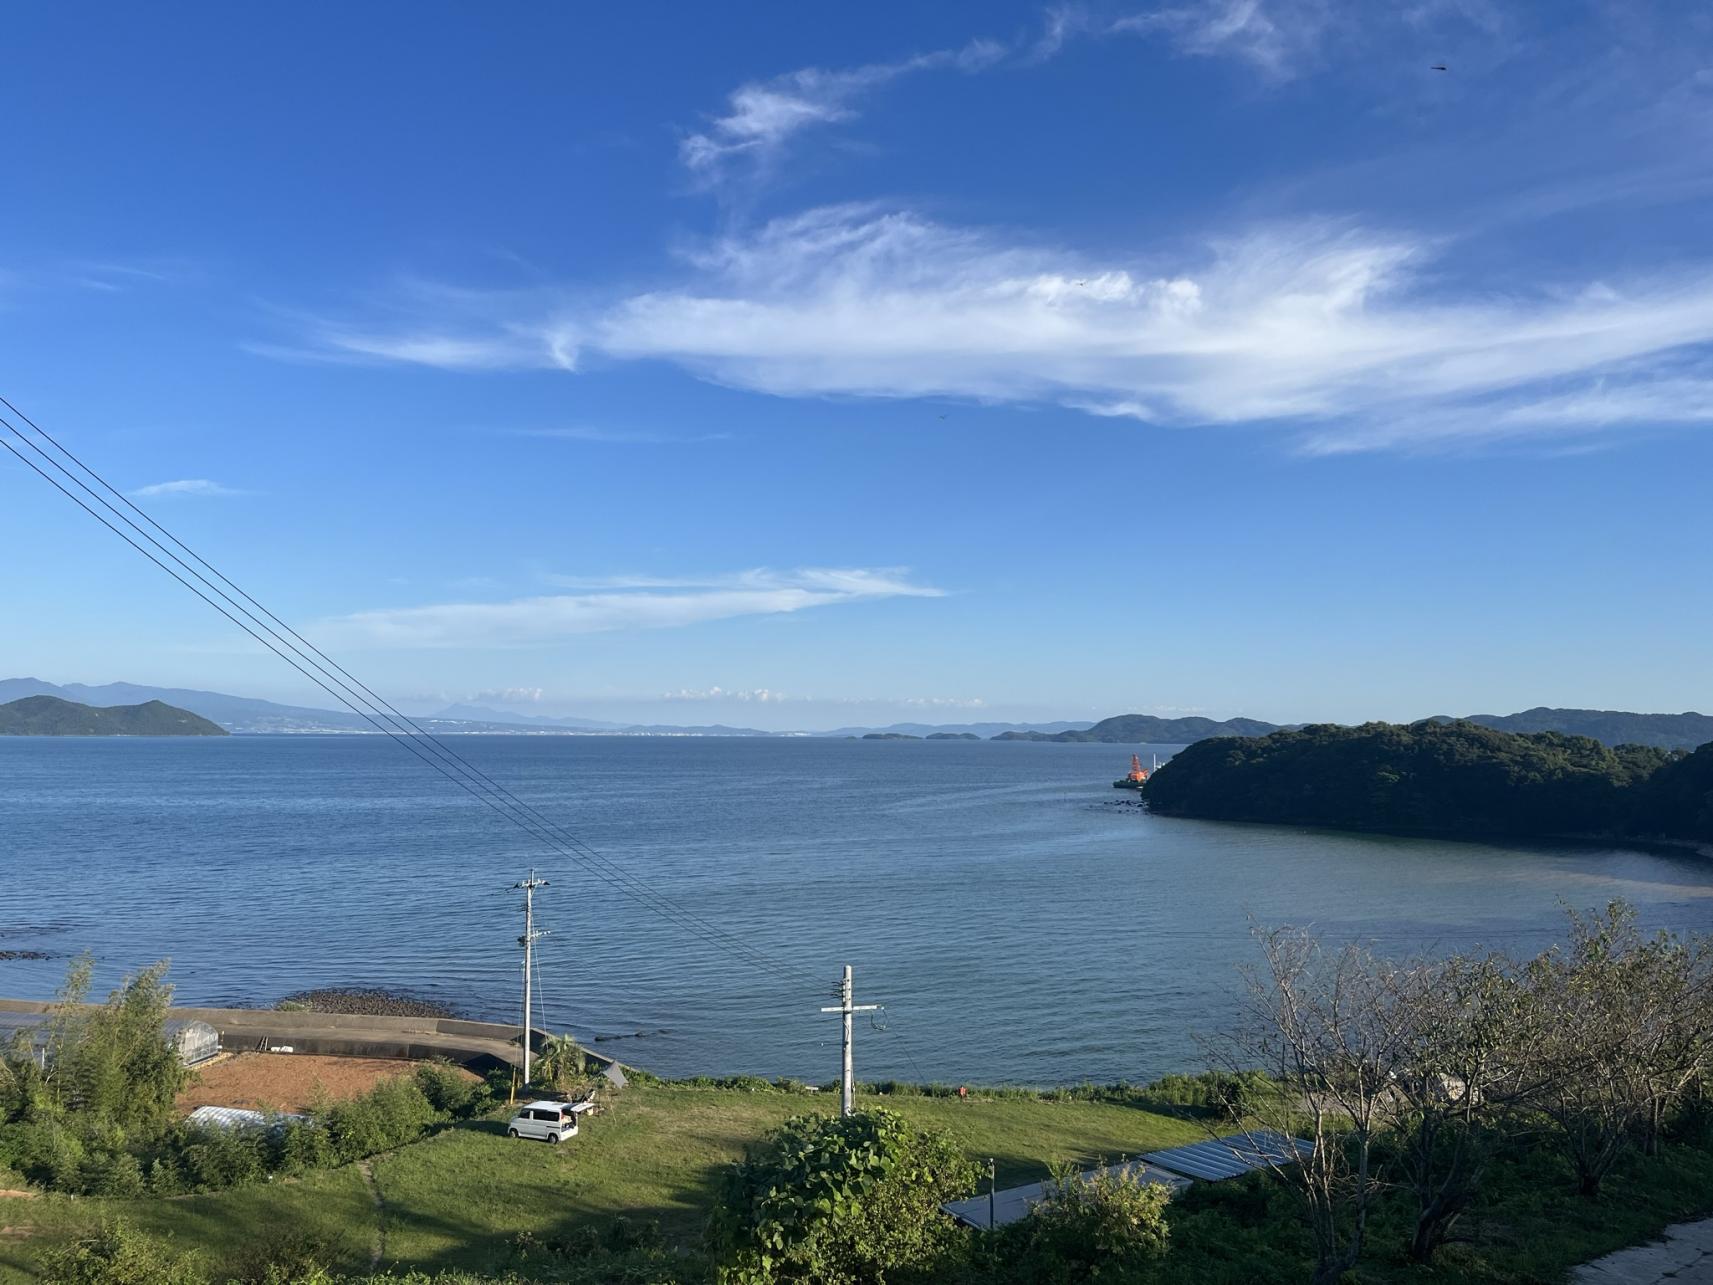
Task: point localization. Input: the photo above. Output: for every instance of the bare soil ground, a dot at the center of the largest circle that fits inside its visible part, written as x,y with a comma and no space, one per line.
287,1081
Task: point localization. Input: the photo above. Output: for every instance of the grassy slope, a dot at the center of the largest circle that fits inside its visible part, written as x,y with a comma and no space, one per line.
454,1200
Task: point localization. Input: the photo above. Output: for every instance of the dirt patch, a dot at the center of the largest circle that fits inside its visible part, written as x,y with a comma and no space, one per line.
288,1081
17,1195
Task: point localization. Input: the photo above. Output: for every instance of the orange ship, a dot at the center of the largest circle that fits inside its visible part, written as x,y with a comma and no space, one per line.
1137,775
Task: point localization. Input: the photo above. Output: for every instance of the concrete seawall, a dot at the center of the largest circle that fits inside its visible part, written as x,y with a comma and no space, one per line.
478,1045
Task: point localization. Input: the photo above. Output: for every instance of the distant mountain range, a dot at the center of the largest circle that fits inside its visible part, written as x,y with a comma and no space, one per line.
51,716
248,715
1609,726
1145,729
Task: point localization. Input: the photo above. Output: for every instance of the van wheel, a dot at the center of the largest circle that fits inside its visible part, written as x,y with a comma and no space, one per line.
511,1133
554,1138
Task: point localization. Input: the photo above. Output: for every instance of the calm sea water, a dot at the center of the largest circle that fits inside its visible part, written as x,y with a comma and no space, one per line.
1020,919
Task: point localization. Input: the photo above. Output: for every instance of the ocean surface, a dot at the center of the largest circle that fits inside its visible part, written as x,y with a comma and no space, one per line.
1020,919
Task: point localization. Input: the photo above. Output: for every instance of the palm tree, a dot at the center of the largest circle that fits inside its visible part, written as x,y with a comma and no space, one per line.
561,1059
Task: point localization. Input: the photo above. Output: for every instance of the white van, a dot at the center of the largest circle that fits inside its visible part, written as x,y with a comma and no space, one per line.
551,1121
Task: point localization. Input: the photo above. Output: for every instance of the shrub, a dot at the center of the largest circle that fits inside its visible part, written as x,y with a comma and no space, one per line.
393,1113
116,1255
215,1159
449,1090
841,1201
1103,1227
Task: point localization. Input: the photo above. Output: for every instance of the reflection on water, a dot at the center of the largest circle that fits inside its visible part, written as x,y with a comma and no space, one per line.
1017,925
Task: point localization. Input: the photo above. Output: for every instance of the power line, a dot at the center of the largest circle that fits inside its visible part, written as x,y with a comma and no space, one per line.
321,670
354,690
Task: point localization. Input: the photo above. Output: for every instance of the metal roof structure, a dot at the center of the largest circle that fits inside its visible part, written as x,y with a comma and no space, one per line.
1176,1167
237,1118
1230,1157
1014,1203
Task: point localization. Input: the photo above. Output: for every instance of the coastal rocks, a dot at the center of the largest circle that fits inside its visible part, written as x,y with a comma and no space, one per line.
24,954
364,1001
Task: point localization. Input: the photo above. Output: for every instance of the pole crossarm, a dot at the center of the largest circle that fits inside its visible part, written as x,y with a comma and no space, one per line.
844,1008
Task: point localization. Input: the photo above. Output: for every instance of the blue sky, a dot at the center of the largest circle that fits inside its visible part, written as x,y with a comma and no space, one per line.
830,365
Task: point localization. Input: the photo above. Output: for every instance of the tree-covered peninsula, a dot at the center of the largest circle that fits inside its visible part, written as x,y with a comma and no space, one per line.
51,716
1442,778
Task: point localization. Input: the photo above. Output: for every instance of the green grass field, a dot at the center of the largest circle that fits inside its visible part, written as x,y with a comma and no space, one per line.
458,1198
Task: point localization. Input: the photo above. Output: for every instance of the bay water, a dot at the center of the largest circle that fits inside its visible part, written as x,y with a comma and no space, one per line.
1020,919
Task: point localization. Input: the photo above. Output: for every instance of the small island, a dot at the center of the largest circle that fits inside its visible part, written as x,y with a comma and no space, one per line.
889,736
51,716
953,736
1454,779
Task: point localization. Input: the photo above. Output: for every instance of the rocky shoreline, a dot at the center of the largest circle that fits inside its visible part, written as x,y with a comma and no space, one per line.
364,1001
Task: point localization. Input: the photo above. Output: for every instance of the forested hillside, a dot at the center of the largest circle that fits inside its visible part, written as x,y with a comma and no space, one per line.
1441,778
51,716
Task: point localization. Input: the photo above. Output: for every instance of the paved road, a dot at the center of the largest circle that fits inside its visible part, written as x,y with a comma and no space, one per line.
1683,1257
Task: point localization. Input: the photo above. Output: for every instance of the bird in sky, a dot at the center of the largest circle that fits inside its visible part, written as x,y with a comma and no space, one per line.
1439,66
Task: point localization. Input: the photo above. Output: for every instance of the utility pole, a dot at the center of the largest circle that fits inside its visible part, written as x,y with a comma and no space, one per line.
527,941
846,1008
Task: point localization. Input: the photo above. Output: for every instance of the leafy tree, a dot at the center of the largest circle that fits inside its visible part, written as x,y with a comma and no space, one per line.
852,1200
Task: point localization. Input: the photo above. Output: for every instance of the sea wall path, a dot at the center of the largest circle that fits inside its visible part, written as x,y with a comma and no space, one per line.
477,1045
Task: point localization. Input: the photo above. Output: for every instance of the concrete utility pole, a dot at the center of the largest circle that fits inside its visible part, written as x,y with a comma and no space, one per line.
527,941
846,1008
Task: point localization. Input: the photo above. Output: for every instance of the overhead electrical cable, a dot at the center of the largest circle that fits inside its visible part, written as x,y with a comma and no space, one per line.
320,669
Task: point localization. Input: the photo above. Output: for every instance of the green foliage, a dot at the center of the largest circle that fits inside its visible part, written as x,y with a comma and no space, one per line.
391,1114
850,1200
449,1090
1679,798
107,1088
561,1063
1105,1227
117,1255
51,716
1428,777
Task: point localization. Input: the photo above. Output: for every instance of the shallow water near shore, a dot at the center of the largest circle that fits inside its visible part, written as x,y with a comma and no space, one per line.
1021,920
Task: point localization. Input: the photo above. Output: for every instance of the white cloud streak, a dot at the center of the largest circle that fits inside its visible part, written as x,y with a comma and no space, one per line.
622,605
185,486
1360,339
762,116
1311,323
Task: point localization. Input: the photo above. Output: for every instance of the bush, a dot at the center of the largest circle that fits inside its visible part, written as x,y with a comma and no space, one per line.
116,1255
841,1201
215,1159
1104,1227
393,1113
449,1090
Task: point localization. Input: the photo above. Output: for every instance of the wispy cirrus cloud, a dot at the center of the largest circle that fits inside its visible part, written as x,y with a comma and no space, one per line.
762,116
1316,323
1349,336
623,604
189,486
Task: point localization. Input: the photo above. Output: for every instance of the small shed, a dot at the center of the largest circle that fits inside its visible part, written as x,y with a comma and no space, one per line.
195,1041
